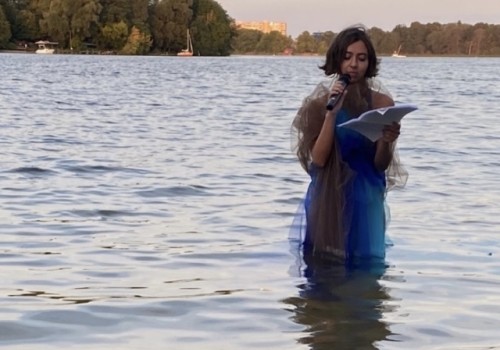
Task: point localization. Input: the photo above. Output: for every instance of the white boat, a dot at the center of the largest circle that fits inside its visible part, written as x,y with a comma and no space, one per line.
396,53
45,47
188,51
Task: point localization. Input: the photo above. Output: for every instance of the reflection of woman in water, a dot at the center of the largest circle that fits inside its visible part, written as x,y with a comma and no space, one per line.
340,308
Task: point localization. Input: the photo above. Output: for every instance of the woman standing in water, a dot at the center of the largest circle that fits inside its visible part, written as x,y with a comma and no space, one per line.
350,175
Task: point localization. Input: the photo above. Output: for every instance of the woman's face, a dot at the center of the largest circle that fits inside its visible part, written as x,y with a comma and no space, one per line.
355,61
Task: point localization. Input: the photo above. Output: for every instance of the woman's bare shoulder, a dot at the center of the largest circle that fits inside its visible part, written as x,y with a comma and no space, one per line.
380,100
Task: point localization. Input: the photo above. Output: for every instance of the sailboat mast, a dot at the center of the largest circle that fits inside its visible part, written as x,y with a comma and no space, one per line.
188,51
189,42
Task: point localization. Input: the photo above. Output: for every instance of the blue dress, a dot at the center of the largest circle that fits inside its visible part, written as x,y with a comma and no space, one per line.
364,210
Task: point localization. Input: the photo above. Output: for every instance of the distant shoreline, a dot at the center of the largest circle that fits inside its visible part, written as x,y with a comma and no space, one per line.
95,53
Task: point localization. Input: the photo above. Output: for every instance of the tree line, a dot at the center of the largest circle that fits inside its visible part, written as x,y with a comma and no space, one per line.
452,39
160,27
121,26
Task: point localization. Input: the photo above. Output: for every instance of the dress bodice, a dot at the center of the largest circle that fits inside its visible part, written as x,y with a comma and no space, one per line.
358,151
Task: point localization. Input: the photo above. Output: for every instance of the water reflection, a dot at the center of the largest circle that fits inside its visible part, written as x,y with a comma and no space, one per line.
340,307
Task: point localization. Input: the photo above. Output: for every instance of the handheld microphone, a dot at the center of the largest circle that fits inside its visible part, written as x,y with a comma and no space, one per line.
345,79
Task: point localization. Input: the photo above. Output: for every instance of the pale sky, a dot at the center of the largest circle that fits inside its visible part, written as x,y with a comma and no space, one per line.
334,15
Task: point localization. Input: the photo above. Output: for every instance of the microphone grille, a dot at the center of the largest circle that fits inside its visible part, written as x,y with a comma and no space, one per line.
345,78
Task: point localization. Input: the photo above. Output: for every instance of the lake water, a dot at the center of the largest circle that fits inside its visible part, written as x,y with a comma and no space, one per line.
146,204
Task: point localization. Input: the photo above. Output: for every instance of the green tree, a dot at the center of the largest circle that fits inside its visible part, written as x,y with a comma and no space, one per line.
478,38
114,36
418,32
110,23
38,8
306,43
85,16
139,14
432,41
169,23
212,29
115,11
27,26
138,43
273,43
377,36
10,9
69,21
454,32
494,40
245,41
5,32
325,41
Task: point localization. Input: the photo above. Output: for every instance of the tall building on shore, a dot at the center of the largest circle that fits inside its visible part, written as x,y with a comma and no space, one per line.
263,26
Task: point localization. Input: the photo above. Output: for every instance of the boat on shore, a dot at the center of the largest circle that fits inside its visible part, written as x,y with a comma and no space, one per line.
46,47
188,51
397,53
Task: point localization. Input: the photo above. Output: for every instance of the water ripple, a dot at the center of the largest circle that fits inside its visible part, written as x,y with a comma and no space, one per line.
147,200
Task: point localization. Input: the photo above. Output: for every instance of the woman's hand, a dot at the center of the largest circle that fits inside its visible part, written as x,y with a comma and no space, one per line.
323,144
390,133
383,155
338,89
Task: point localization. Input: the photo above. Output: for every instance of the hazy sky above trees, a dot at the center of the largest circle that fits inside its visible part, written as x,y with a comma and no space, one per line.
334,15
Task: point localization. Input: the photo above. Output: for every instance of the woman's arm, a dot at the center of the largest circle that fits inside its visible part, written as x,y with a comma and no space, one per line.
323,145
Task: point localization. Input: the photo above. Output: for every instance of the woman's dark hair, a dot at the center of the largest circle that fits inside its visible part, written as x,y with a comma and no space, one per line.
337,51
